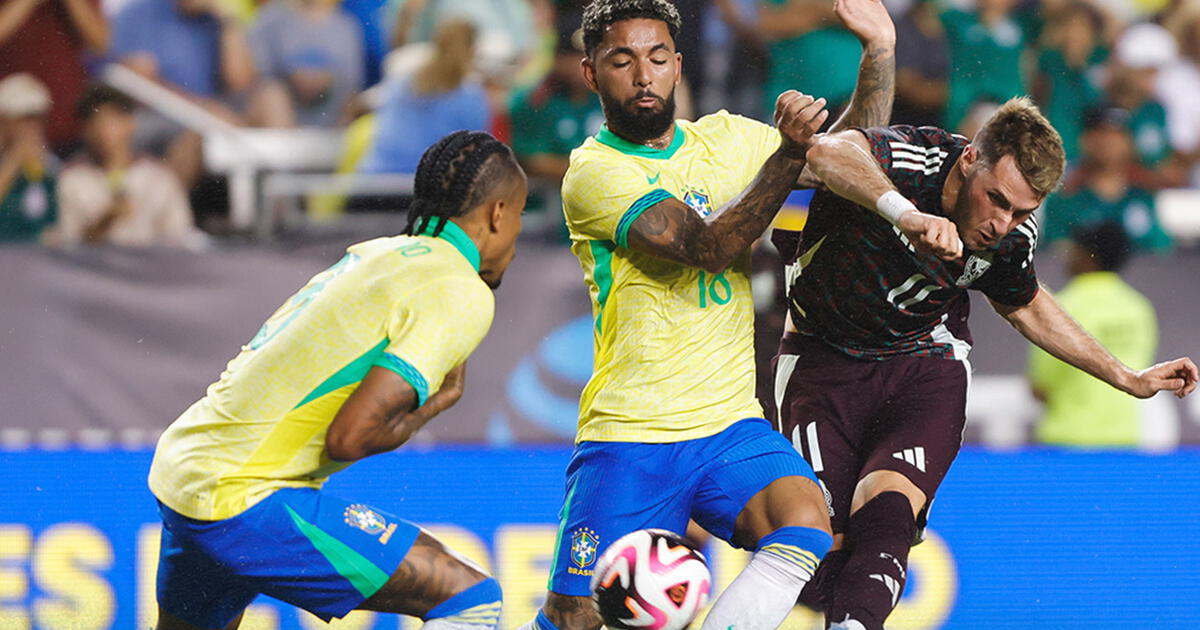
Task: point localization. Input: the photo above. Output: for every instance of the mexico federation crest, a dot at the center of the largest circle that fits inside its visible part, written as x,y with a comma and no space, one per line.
364,518
976,266
698,201
583,547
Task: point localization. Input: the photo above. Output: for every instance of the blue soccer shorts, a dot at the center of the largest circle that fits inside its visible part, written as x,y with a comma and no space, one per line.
614,488
298,545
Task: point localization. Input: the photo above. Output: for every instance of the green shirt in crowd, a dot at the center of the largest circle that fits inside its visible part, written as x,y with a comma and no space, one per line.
1134,210
1148,125
985,61
29,207
1080,409
1071,92
549,122
822,62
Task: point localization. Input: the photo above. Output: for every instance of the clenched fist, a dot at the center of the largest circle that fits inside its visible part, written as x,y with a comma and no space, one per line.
930,233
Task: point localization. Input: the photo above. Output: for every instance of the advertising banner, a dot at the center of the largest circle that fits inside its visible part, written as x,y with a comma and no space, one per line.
1022,539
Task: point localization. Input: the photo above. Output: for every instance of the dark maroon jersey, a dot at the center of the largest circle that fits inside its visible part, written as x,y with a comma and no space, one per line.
856,283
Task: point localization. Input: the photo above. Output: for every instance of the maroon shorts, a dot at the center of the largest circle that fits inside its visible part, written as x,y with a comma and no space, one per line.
849,417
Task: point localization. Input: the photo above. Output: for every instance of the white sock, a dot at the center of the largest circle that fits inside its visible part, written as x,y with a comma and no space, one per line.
452,623
763,594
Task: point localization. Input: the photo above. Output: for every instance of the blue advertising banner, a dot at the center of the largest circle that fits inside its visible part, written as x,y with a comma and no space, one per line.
1027,539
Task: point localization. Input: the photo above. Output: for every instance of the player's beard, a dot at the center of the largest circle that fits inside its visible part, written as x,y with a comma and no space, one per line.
638,126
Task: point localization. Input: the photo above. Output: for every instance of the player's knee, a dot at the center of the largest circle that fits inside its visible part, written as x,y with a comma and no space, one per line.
881,482
477,605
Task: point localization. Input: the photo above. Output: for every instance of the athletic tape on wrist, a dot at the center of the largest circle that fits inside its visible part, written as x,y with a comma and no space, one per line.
892,205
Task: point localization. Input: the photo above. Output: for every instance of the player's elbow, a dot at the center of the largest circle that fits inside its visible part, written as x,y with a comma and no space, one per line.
823,151
341,446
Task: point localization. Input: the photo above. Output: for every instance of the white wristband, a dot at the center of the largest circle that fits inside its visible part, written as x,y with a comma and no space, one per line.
892,205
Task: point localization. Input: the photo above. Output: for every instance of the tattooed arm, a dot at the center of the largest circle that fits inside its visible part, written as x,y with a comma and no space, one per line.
672,230
871,104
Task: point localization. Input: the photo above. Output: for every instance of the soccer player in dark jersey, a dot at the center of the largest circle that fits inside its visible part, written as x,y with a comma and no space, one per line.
872,373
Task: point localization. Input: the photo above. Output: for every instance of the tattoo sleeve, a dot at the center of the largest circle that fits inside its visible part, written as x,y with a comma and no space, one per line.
672,230
871,104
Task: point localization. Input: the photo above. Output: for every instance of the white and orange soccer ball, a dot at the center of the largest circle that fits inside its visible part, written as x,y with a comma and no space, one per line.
651,579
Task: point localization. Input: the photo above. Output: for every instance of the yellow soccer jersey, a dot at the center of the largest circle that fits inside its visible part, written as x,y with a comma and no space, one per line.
412,304
674,345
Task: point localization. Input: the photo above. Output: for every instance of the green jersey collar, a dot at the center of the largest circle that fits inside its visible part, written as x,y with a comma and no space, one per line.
629,148
454,235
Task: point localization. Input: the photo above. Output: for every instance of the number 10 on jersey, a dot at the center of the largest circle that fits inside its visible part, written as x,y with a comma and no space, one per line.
715,289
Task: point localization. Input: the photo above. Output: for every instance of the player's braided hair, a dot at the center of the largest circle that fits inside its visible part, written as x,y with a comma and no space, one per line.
601,14
455,175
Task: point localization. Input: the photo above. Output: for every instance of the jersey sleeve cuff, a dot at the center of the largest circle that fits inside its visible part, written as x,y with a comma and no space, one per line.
408,373
635,211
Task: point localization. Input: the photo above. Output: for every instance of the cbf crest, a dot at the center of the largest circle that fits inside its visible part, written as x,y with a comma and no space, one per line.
698,200
362,517
583,547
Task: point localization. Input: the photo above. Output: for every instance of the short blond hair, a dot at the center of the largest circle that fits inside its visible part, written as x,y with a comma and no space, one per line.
1019,129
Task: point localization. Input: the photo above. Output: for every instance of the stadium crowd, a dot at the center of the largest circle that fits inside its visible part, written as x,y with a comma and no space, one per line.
1120,79
83,163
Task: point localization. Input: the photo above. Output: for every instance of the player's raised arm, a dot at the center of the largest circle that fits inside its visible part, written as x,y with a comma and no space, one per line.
1044,322
871,104
672,230
843,162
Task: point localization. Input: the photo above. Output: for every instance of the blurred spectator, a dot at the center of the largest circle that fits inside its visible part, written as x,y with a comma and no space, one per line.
1178,89
49,39
1082,410
109,194
552,119
505,28
986,49
442,96
27,201
193,47
809,51
1141,52
978,114
1105,187
922,65
372,17
745,60
1071,71
310,54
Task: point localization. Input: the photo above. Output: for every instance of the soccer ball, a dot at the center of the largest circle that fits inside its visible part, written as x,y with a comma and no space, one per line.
651,579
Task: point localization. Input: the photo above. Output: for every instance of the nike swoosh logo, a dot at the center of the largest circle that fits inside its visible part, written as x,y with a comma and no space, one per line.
653,180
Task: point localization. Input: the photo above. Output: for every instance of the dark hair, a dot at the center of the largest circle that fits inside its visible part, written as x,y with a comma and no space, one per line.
456,174
98,95
1106,242
601,14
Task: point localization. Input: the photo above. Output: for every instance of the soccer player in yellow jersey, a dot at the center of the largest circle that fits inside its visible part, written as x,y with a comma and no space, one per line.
661,214
351,365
